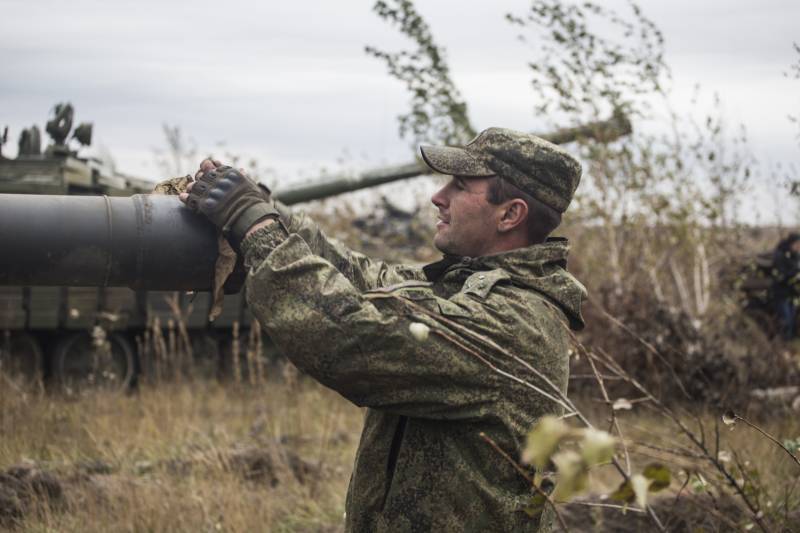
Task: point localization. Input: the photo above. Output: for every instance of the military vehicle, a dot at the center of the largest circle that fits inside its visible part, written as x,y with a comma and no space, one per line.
754,282
44,325
90,259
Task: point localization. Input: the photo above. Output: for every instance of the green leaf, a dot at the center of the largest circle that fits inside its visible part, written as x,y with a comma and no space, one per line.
792,445
659,476
535,505
624,493
654,478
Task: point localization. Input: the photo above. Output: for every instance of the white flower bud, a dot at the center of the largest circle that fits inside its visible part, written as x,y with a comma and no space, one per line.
597,447
419,331
640,485
622,404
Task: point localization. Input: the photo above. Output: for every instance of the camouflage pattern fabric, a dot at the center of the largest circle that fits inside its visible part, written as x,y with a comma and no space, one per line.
344,319
538,167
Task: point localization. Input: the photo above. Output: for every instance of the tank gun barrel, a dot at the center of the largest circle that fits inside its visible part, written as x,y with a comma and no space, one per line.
603,130
152,242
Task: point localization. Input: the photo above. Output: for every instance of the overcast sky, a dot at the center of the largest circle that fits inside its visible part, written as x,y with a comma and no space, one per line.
290,84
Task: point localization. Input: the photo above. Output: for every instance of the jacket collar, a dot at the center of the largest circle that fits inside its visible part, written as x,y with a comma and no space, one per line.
541,267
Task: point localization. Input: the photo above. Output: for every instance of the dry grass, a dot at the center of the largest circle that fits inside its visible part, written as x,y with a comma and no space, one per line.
651,438
199,457
206,457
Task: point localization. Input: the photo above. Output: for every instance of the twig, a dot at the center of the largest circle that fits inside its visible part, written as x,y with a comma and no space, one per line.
770,437
683,487
590,376
700,426
787,496
607,506
499,371
675,446
670,451
525,475
747,479
614,367
480,339
508,458
646,344
614,420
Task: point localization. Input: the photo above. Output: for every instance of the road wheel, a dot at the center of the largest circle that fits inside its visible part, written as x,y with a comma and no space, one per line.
93,360
21,357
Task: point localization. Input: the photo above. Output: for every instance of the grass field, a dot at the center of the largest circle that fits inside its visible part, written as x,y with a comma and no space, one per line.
199,457
208,457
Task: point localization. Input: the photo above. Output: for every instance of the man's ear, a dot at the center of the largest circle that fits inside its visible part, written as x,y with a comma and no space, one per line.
515,213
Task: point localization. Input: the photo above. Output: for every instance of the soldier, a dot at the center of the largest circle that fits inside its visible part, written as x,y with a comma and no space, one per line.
359,327
786,268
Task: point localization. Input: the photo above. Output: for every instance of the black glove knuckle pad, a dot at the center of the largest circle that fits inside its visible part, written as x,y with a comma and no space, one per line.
231,201
234,176
209,177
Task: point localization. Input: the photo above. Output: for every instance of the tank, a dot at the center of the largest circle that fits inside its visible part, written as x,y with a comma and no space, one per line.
41,328
83,263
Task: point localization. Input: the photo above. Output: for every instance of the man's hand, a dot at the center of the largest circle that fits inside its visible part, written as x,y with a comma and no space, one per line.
229,199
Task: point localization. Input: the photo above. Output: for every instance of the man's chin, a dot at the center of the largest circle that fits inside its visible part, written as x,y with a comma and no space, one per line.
438,242
441,244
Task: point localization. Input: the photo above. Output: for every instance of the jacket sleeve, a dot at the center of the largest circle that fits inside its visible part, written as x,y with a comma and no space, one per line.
362,347
363,272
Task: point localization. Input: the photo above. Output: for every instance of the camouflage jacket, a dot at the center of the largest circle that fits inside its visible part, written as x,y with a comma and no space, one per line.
344,319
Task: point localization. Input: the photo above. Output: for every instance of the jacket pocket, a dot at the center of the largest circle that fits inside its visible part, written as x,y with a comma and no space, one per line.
452,309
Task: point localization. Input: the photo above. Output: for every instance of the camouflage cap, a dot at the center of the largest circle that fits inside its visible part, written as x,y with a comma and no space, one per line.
538,167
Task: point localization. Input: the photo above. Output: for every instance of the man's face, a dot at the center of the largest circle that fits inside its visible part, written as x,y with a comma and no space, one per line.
467,221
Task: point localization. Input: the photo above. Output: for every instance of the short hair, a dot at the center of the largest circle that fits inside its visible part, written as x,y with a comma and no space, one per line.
542,219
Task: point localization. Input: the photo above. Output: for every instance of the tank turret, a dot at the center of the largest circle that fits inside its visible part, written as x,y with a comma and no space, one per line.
58,169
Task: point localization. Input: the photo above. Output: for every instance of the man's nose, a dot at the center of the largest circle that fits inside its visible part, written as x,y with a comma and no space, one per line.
439,198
